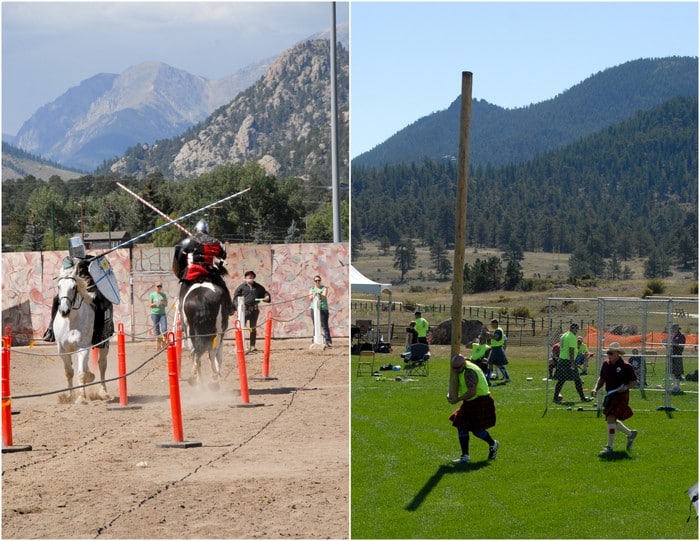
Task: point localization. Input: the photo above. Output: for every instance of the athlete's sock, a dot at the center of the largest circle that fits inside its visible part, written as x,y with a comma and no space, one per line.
463,441
484,435
626,431
611,435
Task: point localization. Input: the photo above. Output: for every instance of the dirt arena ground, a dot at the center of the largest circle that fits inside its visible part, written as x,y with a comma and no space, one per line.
276,470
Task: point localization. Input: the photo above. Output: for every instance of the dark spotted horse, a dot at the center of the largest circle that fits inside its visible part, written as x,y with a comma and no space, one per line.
204,317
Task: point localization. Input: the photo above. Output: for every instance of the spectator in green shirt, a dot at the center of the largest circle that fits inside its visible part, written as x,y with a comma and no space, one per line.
158,302
318,290
583,355
480,350
422,327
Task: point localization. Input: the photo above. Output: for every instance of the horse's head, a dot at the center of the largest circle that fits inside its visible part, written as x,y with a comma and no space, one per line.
72,290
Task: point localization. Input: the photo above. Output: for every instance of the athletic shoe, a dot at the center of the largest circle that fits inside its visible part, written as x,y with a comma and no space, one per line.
606,451
507,380
587,399
558,399
677,391
461,460
493,450
630,439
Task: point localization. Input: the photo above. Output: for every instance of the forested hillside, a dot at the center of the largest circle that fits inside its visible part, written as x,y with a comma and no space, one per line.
503,136
41,215
16,163
630,190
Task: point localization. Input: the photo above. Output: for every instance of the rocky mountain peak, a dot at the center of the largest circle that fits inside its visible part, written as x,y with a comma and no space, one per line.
282,121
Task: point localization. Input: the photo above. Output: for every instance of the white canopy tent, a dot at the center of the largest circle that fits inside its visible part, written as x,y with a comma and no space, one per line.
360,283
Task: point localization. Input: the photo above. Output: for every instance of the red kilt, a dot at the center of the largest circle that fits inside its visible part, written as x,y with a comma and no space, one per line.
618,406
475,415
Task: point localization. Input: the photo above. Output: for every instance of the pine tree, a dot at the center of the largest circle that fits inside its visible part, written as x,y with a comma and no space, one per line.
405,257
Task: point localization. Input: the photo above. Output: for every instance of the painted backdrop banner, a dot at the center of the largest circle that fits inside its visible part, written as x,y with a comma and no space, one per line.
286,271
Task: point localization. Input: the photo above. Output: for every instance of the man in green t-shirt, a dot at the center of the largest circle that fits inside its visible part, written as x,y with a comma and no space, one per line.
480,350
582,356
421,328
478,410
158,302
320,292
566,365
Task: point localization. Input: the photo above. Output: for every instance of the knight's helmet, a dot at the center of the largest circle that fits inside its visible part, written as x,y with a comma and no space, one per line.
201,227
76,248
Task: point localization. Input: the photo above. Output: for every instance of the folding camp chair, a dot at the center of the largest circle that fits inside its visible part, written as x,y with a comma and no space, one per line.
649,360
416,360
366,359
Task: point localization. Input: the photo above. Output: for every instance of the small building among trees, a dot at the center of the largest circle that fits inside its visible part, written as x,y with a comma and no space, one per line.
104,239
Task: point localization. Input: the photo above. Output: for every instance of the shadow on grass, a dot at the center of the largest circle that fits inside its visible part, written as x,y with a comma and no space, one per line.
615,456
437,477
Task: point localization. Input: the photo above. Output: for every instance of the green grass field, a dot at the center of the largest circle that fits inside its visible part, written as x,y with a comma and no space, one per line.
547,481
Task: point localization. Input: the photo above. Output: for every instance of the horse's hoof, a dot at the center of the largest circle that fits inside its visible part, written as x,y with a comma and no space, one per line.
104,395
81,400
86,377
192,380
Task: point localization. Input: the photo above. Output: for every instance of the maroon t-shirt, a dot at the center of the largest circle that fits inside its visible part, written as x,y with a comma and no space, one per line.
616,374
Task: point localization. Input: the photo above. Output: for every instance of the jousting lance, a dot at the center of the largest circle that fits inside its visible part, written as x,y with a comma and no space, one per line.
163,214
171,222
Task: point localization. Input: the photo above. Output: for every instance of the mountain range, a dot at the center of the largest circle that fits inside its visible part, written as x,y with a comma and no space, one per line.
104,115
107,113
283,122
501,136
606,171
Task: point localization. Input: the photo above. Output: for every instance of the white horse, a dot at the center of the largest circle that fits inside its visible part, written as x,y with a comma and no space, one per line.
73,328
201,311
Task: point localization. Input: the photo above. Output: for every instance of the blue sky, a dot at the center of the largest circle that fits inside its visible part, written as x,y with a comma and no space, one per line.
49,47
407,58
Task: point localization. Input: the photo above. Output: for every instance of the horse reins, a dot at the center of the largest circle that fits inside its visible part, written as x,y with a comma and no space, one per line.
75,294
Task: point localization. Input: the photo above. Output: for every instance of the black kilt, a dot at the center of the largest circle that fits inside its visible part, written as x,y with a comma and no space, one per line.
475,415
564,371
497,356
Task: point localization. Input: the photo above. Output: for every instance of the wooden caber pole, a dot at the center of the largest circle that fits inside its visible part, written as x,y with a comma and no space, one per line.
461,212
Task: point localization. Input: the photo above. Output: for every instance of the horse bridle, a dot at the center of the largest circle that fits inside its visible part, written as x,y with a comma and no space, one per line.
75,294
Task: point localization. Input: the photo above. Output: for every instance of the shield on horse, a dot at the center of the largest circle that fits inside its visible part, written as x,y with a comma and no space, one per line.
73,328
101,272
204,320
